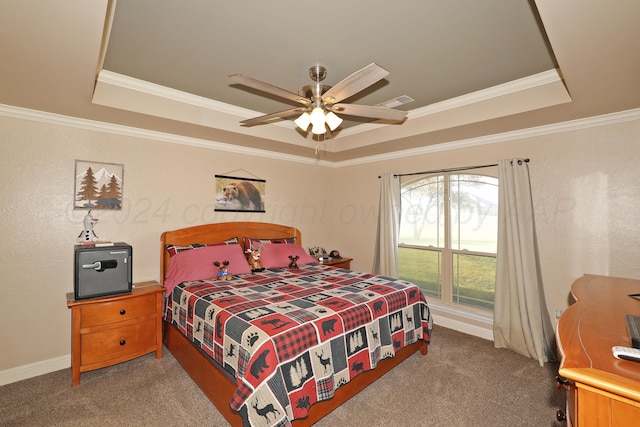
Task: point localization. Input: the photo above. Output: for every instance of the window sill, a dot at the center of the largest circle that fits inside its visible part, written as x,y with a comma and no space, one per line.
476,324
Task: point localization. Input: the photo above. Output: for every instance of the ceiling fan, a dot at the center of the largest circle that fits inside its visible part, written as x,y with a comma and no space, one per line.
321,102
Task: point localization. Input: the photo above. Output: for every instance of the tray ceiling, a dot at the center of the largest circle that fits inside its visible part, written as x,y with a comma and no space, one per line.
473,68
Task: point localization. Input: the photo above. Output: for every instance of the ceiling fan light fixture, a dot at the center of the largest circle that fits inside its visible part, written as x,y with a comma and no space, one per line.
333,121
317,117
318,129
303,121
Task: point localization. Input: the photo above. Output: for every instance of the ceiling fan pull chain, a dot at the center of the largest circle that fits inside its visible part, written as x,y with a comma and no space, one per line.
318,145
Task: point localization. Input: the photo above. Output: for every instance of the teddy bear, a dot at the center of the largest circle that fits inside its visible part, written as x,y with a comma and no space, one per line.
223,270
293,264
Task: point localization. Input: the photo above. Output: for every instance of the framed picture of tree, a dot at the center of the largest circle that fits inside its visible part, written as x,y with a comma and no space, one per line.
98,185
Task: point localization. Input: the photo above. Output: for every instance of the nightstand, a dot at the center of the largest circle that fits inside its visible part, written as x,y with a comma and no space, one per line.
114,329
338,262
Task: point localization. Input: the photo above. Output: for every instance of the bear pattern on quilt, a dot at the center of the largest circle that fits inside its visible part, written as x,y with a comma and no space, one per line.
290,338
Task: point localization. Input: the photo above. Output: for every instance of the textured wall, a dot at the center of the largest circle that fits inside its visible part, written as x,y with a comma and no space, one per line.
166,186
586,198
584,182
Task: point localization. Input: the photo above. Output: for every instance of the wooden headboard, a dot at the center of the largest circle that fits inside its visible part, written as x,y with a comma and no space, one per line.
218,232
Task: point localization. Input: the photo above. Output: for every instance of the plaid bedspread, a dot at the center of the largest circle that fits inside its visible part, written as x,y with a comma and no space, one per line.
292,337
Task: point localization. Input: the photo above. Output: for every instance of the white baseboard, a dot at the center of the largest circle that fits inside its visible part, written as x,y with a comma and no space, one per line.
440,318
31,370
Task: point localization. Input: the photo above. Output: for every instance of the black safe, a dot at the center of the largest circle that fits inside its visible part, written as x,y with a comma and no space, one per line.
102,271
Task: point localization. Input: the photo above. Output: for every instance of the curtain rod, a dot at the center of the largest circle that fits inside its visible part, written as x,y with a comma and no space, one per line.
463,168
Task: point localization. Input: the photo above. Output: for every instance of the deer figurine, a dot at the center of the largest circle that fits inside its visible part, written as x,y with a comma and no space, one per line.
254,259
223,270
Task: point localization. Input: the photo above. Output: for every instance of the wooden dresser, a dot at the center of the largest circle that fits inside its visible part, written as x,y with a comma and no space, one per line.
601,390
114,329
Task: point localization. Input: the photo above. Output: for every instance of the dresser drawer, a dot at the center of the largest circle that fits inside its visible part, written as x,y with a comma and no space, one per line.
117,311
118,342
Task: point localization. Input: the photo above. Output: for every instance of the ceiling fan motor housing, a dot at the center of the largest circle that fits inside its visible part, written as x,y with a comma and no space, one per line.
315,90
317,73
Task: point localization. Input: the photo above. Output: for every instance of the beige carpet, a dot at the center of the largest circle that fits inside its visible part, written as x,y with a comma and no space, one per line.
463,381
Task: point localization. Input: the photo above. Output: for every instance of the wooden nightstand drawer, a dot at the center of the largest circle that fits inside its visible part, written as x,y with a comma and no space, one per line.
104,346
339,263
117,311
114,329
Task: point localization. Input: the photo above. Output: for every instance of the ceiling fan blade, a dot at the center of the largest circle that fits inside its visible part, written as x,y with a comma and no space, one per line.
370,112
281,114
354,83
266,87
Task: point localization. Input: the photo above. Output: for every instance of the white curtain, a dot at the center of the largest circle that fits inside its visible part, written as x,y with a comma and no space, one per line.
385,260
521,321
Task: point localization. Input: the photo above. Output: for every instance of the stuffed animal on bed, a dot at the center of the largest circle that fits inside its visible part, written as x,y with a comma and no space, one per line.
293,264
223,270
254,259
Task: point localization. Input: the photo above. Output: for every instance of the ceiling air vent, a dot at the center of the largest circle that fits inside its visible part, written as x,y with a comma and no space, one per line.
392,103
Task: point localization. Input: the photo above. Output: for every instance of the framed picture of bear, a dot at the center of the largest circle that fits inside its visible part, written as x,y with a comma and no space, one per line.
234,194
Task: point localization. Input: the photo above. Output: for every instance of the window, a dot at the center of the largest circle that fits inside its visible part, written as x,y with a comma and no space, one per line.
448,237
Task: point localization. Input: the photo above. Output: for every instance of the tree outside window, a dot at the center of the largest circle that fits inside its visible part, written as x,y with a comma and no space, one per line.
448,237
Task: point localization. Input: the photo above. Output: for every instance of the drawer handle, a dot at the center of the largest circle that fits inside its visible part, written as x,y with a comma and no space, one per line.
123,312
122,342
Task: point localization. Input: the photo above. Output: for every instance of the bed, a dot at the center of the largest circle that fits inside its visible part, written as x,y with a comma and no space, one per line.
282,346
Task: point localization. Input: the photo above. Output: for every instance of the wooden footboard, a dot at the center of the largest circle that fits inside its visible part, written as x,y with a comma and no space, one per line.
215,385
219,389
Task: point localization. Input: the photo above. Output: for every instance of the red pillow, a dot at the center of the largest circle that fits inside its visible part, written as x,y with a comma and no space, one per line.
198,264
277,256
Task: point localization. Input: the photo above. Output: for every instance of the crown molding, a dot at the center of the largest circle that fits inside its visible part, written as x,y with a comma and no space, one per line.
590,122
93,125
508,88
528,93
126,93
156,90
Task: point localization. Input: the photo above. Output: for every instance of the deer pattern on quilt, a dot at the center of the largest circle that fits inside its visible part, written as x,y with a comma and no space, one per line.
291,337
